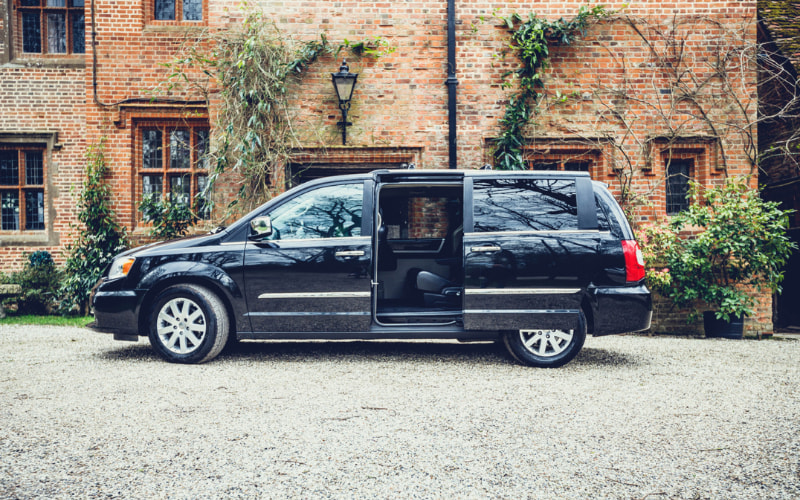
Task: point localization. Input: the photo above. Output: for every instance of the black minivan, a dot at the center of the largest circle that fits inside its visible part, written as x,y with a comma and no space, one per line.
535,259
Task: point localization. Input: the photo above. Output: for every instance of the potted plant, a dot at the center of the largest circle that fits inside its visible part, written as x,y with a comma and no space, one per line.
727,246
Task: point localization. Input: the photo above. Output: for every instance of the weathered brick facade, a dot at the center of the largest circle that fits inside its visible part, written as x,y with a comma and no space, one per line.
632,86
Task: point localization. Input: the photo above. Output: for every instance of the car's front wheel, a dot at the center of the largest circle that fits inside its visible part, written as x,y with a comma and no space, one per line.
188,324
545,348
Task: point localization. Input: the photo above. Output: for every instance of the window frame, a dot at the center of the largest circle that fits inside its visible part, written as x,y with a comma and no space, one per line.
150,15
562,150
671,159
22,188
703,151
562,159
195,171
69,13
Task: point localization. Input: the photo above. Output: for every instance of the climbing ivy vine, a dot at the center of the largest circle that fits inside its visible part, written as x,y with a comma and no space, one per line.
100,239
531,39
250,70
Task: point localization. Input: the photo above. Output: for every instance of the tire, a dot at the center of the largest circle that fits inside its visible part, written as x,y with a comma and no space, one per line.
188,324
545,348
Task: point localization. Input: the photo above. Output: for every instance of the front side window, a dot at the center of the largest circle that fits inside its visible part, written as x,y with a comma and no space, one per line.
178,10
524,204
173,164
326,212
22,189
51,26
679,173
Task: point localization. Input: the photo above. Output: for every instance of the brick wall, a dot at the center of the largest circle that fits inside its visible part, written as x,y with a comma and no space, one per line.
427,218
623,97
46,105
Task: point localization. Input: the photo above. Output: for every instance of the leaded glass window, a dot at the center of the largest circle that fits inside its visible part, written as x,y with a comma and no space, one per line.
31,32
56,34
174,164
9,210
22,191
165,10
179,149
152,148
178,10
52,26
78,33
679,173
192,10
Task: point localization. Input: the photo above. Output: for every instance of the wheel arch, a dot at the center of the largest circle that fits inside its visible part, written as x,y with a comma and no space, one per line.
588,314
154,287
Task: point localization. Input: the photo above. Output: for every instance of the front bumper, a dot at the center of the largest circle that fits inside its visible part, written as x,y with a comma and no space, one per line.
115,311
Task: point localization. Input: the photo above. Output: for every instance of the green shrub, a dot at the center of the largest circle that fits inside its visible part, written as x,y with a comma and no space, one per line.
726,245
40,280
170,218
99,241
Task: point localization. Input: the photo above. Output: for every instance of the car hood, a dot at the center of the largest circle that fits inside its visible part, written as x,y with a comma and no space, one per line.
172,246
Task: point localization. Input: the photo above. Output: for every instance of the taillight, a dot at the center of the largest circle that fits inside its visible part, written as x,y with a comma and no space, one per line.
634,261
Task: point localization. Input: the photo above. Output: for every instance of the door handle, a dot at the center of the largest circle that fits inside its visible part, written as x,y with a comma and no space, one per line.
350,253
486,248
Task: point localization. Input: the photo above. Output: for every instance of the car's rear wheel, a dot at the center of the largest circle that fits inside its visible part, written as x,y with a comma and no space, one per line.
188,324
545,348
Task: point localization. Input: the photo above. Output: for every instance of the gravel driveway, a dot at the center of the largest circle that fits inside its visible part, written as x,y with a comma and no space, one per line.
631,417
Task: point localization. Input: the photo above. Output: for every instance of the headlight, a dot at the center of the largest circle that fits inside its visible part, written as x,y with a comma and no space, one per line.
120,267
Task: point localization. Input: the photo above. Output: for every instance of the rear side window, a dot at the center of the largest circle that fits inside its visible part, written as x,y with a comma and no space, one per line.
524,204
607,221
602,216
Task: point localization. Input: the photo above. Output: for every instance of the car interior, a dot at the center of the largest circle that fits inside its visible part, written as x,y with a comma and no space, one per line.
419,265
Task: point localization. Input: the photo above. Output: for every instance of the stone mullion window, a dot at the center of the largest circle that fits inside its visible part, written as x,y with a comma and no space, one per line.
22,192
51,26
172,164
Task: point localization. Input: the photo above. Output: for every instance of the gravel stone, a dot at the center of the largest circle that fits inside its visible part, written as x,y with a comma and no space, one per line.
632,417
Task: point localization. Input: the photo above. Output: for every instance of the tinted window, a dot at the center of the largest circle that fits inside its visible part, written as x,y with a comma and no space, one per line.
606,218
602,217
326,212
524,205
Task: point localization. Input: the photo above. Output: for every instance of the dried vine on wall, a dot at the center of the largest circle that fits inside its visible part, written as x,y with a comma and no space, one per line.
530,40
688,78
251,69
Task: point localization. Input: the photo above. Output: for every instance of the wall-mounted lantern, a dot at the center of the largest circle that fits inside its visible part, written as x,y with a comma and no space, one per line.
344,82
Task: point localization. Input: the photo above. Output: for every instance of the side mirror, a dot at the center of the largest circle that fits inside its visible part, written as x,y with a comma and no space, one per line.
261,227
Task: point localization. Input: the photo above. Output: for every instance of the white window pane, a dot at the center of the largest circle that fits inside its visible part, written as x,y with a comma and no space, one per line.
56,33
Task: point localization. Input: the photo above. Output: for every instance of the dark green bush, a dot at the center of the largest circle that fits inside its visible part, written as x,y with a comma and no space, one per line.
170,218
100,239
40,280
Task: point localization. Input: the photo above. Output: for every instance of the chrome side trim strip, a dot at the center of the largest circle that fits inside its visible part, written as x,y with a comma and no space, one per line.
343,240
488,234
521,311
520,291
315,295
296,313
